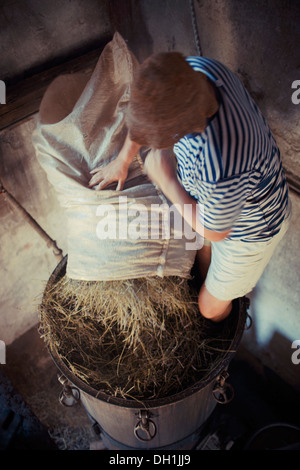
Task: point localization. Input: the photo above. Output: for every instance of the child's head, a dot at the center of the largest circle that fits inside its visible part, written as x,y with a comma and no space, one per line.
168,100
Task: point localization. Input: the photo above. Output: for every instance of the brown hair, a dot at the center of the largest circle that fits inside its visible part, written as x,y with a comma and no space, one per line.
168,100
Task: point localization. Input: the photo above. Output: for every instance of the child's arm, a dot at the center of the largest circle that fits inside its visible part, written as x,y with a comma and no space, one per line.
160,165
116,170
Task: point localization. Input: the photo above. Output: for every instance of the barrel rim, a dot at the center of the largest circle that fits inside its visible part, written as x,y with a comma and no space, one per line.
60,271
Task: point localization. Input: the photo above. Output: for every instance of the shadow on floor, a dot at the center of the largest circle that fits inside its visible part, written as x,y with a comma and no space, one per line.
34,377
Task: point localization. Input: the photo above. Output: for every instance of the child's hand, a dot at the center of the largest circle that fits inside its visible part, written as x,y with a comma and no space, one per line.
116,170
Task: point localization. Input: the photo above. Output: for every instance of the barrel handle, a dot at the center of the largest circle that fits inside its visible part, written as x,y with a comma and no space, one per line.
222,391
69,395
146,425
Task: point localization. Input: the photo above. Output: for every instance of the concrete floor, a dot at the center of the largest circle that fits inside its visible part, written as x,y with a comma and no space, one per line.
261,398
34,376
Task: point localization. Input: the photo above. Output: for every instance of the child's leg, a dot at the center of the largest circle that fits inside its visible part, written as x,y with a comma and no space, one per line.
234,270
213,308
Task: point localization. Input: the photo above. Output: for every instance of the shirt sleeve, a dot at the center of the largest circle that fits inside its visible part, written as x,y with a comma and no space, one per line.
222,200
185,164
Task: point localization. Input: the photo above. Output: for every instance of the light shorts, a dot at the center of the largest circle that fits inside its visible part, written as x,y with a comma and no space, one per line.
236,266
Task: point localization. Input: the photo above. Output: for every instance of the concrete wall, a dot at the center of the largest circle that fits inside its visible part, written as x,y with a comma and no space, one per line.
257,39
275,306
34,33
26,261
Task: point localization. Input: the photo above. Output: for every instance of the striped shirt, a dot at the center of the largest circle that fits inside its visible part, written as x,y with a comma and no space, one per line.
233,168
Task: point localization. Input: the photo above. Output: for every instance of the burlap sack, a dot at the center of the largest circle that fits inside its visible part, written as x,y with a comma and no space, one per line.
80,127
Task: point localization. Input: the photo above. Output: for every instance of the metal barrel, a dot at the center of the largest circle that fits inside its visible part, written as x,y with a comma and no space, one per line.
174,422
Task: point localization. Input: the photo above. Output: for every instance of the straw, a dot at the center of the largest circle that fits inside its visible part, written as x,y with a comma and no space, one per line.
134,339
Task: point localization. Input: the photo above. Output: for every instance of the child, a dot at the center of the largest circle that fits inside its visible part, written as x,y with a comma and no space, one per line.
227,160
